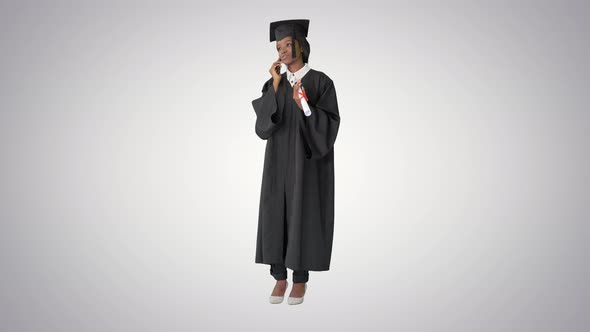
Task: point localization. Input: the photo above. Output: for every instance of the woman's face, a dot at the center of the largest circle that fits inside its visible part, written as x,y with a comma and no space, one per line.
285,52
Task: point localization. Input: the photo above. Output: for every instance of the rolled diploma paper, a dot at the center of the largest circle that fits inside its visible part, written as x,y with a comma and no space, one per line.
306,109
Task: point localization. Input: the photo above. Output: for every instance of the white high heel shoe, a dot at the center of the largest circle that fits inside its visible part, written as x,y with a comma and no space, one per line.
277,299
297,300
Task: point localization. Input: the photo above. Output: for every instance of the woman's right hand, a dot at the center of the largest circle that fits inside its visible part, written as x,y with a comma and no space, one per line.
275,70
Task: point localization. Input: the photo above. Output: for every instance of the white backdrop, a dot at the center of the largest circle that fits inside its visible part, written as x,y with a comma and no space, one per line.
131,173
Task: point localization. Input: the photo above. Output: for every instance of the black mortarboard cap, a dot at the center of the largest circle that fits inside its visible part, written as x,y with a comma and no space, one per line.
294,28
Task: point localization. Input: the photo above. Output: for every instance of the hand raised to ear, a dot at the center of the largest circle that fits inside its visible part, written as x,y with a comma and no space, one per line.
275,70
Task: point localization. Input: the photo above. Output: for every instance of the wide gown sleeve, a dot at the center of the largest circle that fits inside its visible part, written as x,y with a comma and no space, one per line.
321,128
268,112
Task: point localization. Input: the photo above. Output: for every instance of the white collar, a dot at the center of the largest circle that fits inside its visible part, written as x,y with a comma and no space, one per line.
293,77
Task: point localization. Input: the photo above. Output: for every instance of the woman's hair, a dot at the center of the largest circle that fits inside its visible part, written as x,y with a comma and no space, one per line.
305,49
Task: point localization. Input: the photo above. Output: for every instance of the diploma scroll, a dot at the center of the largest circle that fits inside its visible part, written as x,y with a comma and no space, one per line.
303,98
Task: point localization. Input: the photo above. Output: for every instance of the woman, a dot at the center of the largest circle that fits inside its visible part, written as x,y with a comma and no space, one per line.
298,116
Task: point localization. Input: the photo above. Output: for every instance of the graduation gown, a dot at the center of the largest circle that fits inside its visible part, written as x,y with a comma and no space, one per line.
296,211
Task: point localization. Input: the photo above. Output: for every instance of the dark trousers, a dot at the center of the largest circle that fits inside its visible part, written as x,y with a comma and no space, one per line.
279,272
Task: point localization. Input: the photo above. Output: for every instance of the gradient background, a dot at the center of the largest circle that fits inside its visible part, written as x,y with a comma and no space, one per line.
131,173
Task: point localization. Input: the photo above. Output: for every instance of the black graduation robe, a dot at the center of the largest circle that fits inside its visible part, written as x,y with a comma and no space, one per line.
296,212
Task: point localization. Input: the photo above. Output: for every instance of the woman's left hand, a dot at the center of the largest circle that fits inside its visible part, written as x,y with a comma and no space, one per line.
296,97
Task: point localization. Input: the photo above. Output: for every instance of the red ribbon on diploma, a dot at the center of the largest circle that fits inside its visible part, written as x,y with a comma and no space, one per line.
302,94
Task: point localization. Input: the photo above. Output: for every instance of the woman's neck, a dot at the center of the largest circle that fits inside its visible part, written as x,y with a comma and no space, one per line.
295,66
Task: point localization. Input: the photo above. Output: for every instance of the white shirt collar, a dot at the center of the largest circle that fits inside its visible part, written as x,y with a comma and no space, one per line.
293,77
